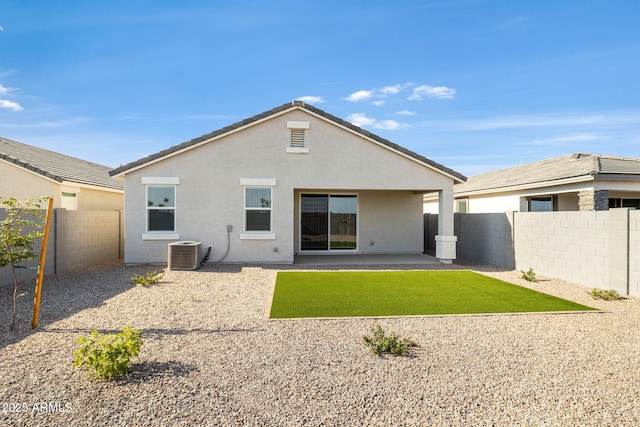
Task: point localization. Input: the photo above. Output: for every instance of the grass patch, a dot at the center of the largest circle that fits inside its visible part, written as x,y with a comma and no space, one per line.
403,293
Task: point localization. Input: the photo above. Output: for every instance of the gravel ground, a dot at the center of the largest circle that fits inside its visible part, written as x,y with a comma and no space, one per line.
211,358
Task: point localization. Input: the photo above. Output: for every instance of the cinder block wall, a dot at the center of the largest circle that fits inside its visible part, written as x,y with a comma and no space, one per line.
486,238
77,239
572,246
634,253
86,238
599,249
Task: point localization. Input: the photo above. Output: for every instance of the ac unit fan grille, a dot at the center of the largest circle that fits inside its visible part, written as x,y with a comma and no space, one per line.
183,256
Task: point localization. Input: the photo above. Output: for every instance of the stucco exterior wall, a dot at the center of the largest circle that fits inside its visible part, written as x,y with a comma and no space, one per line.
210,195
20,183
92,199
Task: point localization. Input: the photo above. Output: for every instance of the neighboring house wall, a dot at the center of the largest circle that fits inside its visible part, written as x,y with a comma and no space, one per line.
210,194
20,183
77,239
100,200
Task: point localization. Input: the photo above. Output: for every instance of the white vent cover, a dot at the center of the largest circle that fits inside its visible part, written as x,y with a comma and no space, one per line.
297,137
184,255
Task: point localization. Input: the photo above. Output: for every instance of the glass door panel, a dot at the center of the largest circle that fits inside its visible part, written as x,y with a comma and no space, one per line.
343,222
314,222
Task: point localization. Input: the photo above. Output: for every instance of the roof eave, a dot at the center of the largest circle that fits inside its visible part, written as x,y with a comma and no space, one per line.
121,171
527,186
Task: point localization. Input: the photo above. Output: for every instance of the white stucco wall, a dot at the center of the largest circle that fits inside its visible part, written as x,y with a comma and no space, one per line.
210,195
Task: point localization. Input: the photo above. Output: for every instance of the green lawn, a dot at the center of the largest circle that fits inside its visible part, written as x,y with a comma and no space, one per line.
399,293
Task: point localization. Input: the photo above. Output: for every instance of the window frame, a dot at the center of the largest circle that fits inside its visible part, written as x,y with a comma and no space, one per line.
150,208
269,208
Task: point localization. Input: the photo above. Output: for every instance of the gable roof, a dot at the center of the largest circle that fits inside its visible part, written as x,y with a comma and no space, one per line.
278,111
57,167
570,168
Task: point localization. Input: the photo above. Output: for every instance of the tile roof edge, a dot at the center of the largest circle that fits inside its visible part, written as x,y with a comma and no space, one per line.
30,168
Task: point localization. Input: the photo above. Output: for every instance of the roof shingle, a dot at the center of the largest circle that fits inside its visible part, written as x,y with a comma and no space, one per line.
56,166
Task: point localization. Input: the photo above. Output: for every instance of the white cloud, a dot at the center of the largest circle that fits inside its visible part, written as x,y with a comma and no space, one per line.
360,119
3,90
379,103
391,90
426,91
311,99
406,113
10,105
565,140
387,125
360,95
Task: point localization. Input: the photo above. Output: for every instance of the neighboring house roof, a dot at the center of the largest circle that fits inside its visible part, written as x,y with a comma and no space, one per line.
277,111
57,167
574,167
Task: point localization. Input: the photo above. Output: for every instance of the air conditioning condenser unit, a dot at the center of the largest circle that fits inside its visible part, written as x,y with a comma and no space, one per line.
184,255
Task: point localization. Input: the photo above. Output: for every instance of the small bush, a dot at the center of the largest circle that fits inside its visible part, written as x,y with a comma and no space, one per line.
381,343
529,275
607,295
150,279
108,355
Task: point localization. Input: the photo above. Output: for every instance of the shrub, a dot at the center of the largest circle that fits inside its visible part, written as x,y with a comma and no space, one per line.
607,295
150,279
108,355
381,343
529,275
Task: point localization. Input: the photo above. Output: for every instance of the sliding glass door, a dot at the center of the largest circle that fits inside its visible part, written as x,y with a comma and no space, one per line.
328,222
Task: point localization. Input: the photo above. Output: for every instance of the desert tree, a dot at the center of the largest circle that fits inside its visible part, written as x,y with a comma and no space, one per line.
19,229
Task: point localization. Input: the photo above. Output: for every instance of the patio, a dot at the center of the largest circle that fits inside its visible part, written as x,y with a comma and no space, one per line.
365,259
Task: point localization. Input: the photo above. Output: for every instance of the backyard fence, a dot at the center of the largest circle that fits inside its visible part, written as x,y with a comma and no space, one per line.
598,249
77,239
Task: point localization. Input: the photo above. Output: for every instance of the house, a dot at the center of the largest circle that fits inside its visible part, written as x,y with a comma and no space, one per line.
574,182
73,183
292,180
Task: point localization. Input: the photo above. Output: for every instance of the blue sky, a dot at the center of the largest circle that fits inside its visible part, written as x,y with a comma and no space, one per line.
476,85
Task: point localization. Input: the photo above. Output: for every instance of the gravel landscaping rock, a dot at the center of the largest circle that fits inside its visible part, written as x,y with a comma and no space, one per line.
210,357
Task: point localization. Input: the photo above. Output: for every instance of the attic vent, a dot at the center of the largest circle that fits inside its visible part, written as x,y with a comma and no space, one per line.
297,143
297,137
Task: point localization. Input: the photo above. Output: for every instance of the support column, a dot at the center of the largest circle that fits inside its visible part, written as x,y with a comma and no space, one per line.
445,239
592,200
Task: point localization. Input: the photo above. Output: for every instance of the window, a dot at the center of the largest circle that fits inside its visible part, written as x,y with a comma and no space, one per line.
257,206
624,203
461,205
542,204
69,201
161,208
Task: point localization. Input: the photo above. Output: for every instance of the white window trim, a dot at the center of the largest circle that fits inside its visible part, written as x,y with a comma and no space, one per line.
258,182
160,180
160,236
257,235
